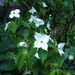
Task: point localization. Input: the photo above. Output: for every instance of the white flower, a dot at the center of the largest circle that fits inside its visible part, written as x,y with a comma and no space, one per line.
37,56
41,41
48,26
6,25
38,22
24,44
44,4
32,10
32,18
60,48
14,13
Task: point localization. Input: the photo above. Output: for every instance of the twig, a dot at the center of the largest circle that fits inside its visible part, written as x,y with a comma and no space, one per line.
25,4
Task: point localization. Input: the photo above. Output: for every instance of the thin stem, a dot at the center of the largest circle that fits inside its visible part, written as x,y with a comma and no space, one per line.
25,4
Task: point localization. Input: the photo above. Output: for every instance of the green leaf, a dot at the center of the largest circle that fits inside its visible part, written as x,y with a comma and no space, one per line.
6,1
52,72
16,41
14,1
32,51
59,73
19,54
36,70
52,3
26,24
43,11
21,61
47,62
60,1
6,44
33,25
51,44
29,61
70,73
42,54
26,33
62,69
12,26
58,61
66,53
50,52
2,56
7,65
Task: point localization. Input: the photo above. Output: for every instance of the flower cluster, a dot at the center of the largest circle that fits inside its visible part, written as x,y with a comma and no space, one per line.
41,39
13,13
34,19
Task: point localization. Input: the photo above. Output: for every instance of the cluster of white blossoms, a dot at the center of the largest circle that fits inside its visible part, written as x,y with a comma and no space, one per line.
41,40
34,19
15,13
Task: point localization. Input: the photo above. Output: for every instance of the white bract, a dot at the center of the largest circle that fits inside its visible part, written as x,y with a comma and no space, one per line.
48,26
37,56
50,16
32,10
6,25
24,44
32,18
36,20
41,41
60,48
44,4
14,13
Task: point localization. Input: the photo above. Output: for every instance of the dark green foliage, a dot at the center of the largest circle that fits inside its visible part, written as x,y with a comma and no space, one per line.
16,60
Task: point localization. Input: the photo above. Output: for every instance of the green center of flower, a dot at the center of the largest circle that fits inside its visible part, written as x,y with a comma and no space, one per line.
41,41
13,12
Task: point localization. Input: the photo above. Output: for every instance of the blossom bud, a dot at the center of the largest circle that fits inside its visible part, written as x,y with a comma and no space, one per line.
71,57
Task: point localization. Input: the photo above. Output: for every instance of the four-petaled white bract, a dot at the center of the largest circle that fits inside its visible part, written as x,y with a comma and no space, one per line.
24,44
6,25
41,41
60,48
32,10
15,13
44,4
36,20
